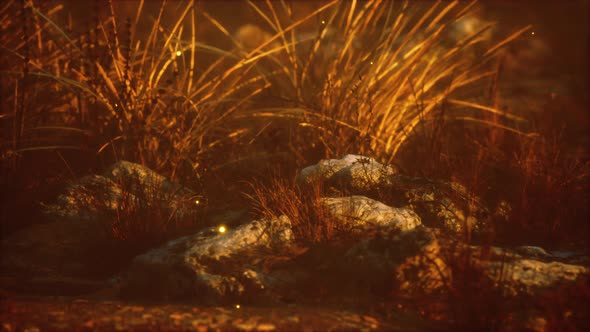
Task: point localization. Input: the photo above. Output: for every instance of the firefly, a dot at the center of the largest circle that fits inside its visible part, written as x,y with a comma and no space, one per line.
237,306
178,53
222,229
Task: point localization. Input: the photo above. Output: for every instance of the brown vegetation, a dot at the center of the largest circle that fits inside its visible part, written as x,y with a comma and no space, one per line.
373,78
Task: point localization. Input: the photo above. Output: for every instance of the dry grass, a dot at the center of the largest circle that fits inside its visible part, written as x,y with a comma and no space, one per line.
134,215
144,100
365,87
311,222
379,78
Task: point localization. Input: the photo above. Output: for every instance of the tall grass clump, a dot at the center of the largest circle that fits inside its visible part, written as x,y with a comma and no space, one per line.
81,95
153,97
311,221
27,120
373,71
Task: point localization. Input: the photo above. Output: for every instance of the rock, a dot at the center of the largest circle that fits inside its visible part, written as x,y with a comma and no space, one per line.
354,171
417,262
411,261
94,197
531,277
449,206
361,215
526,270
83,199
209,266
533,252
146,179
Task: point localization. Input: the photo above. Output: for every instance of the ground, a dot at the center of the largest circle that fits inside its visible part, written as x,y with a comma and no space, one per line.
28,313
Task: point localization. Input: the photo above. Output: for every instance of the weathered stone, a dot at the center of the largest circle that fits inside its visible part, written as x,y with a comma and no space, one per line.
147,179
360,215
525,270
439,209
449,206
411,261
531,277
354,171
94,196
82,199
533,252
208,266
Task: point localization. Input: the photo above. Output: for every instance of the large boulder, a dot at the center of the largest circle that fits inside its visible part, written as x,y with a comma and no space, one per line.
422,261
445,205
211,266
94,196
214,267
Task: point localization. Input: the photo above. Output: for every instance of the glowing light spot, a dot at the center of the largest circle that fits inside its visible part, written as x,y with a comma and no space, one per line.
323,22
197,202
533,33
222,229
237,306
371,62
178,53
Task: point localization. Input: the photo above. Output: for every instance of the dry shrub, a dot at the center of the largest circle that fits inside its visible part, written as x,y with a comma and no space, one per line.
550,201
311,221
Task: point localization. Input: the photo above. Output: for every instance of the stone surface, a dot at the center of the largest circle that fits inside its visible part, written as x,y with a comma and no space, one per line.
361,215
527,275
146,179
94,196
525,270
82,199
209,266
449,206
354,171
410,261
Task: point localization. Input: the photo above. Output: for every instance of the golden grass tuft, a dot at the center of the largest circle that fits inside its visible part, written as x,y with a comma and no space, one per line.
374,71
311,221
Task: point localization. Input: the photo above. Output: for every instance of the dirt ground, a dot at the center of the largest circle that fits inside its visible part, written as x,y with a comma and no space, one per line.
27,313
